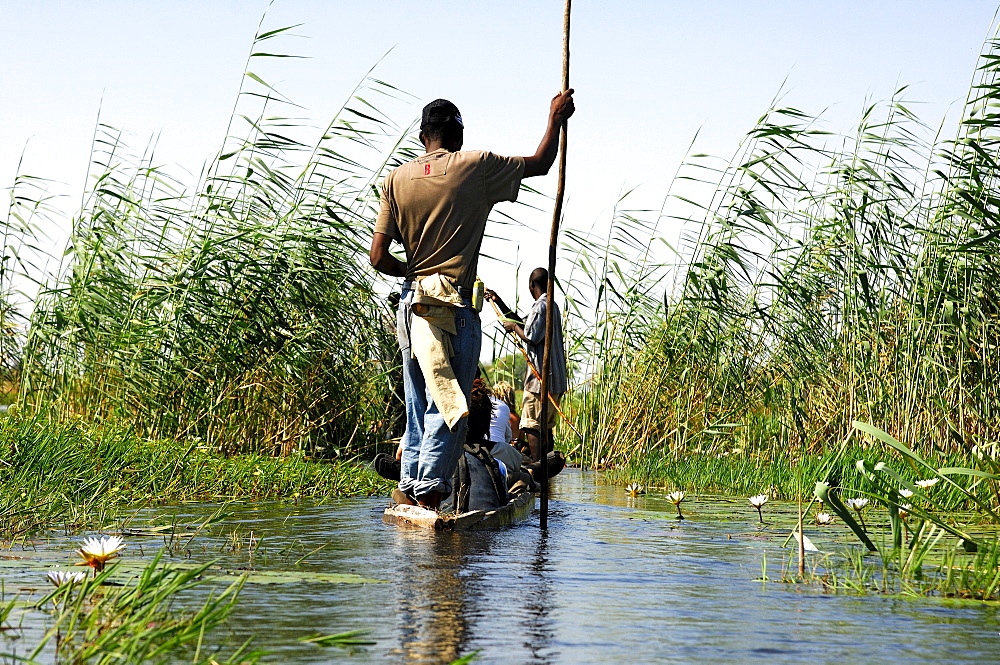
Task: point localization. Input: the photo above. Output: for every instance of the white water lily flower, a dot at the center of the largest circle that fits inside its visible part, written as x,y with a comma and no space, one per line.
635,489
758,503
60,577
824,518
96,552
857,504
905,493
104,546
924,484
904,510
676,498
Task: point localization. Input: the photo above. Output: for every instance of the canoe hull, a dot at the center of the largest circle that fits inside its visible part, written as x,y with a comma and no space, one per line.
416,517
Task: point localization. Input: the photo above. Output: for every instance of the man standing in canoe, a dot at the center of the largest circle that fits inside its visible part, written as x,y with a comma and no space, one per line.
532,333
436,206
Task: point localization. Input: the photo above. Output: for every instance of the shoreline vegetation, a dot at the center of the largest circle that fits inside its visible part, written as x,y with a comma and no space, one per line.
828,325
75,476
234,310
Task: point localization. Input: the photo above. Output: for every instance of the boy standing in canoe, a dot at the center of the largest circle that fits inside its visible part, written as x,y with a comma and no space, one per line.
436,206
532,332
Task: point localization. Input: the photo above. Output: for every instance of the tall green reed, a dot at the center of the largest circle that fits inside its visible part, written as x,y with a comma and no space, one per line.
238,310
823,279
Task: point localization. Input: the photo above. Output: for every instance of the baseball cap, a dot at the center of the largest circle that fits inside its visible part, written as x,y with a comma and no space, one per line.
440,112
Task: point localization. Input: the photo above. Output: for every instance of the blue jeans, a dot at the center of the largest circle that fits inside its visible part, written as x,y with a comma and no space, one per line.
430,449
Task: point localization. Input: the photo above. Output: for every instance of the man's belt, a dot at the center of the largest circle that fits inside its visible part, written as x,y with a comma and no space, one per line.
464,291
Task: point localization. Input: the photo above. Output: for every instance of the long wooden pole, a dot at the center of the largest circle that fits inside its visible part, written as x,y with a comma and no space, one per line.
544,433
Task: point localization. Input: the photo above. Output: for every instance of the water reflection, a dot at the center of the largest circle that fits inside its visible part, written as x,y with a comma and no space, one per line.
431,596
447,582
537,625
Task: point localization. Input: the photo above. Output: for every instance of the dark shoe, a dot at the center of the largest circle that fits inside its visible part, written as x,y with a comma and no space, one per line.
402,498
520,487
554,463
387,467
431,500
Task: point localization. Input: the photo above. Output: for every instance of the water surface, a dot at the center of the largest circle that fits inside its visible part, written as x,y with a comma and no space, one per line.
615,580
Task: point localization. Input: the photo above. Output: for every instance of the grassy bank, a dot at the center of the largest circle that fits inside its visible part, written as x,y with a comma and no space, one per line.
776,473
75,475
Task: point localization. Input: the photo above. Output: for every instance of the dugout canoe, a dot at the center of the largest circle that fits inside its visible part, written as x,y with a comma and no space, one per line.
516,510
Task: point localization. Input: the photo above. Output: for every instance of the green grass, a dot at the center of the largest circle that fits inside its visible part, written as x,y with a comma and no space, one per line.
75,475
774,472
926,567
140,620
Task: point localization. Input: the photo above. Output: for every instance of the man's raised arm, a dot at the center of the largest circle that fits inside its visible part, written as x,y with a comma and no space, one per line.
560,110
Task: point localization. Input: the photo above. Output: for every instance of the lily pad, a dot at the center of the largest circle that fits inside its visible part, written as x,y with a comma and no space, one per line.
293,576
226,575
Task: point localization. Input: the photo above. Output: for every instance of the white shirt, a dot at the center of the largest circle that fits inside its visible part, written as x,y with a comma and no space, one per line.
500,431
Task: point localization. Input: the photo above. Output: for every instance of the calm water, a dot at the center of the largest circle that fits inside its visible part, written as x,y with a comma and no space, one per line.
608,584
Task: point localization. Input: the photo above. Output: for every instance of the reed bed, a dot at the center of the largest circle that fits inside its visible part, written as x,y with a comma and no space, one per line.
826,280
238,310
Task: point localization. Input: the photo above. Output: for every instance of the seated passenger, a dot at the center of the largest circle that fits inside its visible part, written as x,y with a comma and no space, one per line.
483,460
504,399
500,433
480,480
504,392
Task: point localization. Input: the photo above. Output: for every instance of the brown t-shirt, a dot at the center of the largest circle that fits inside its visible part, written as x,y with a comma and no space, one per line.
437,206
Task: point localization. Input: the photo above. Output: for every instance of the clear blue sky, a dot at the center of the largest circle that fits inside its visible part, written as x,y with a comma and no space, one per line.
648,75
